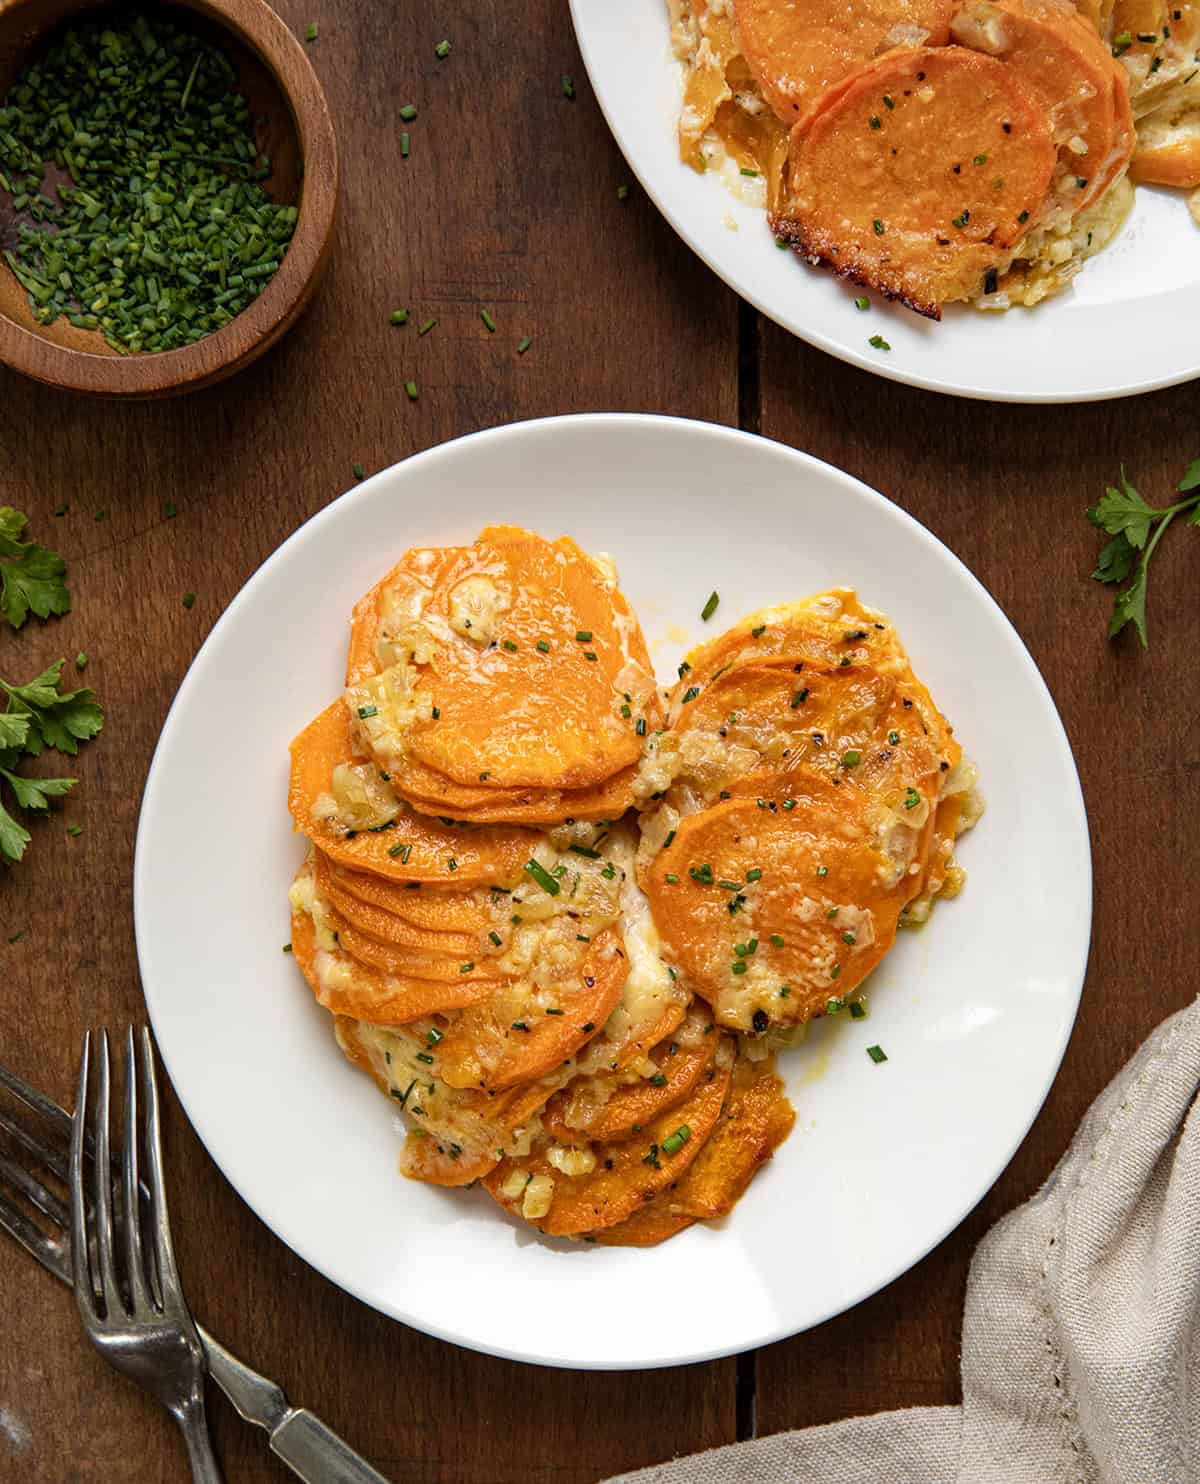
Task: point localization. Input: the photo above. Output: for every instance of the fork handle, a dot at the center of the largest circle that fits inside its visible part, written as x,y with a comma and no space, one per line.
315,1452
193,1424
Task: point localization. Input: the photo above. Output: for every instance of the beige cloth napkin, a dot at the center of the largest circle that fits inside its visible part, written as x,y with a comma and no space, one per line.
1081,1336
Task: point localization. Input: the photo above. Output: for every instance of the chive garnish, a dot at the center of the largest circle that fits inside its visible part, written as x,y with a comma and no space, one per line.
411,388
776,940
710,607
408,113
425,1057
590,654
912,798
402,851
427,326
495,937
879,343
357,471
81,661
543,646
189,600
877,1054
754,873
405,145
622,192
592,855
894,739
465,968
366,711
673,1143
488,321
542,877
640,728
799,698
442,50
862,302
670,878
434,1035
858,1011
398,317
690,694
568,87
523,344
849,938
311,31
508,645
583,635
851,759
658,1080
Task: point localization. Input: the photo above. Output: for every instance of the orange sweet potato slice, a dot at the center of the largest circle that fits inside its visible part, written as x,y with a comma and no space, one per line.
456,1136
523,1031
1070,72
627,1173
430,792
490,705
397,959
386,926
817,899
411,848
349,988
755,1120
828,627
437,910
890,196
798,48
602,1109
846,721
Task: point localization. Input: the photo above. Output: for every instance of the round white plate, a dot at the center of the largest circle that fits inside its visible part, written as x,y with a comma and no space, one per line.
1125,325
973,1012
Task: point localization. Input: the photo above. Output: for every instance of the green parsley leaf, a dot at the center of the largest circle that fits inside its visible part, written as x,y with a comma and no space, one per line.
58,719
1124,512
30,575
36,793
1116,560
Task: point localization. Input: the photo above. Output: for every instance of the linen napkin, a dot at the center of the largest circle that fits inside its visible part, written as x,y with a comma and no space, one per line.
1081,1336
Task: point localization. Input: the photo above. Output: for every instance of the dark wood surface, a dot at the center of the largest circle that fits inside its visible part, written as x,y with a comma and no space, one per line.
508,202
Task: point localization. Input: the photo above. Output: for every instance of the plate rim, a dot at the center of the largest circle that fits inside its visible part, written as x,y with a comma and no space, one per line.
842,351
296,1242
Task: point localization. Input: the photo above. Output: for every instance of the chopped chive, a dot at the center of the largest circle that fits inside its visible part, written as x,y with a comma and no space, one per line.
357,471
425,1057
452,864
673,1143
710,607
640,728
508,645
625,711
754,873
622,192
189,600
728,885
442,50
398,317
553,1010
879,342
877,1054
671,878
465,968
849,938
858,1011
408,113
81,661
519,1025
582,938
434,712
543,646
851,759
875,121
427,326
523,344
894,739
568,87
170,509
583,635
822,870
74,830
411,388
776,940
590,654
862,302
789,804
488,321
311,31
878,227
405,145
495,937
542,877
753,174
401,851
434,1035
658,1080
287,947
799,698
912,798
758,632
888,102
690,694
367,711
584,850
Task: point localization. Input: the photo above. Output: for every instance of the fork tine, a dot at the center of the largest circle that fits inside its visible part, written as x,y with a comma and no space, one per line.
53,1159
35,1241
81,1276
170,1289
129,1176
102,1178
33,1189
37,1101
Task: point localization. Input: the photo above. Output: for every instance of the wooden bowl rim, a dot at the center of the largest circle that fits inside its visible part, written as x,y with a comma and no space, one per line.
261,30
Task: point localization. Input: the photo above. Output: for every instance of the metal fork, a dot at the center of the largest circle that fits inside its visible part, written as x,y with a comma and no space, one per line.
149,1337
313,1451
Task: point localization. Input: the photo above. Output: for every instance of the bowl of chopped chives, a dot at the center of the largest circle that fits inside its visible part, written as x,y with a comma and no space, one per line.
168,191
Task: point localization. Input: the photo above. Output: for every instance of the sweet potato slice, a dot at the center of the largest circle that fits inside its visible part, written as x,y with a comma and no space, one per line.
365,917
438,910
815,897
828,627
603,1108
755,1120
1168,150
891,196
1070,72
430,792
625,1174
409,847
524,1030
349,988
456,1136
798,48
489,682
409,963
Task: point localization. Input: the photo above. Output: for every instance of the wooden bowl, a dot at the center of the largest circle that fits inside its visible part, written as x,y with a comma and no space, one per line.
295,130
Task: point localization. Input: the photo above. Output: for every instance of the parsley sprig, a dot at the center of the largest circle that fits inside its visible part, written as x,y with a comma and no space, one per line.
1136,529
31,576
37,716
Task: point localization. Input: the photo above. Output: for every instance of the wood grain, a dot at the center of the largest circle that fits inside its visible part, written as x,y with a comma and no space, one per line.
508,202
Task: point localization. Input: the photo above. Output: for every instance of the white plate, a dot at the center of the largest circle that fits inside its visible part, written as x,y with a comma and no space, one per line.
1126,325
974,1012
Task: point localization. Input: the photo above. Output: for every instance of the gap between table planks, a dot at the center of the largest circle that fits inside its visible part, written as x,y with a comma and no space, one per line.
508,202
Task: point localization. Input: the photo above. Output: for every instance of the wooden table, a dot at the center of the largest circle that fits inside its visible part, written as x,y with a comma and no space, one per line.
509,202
